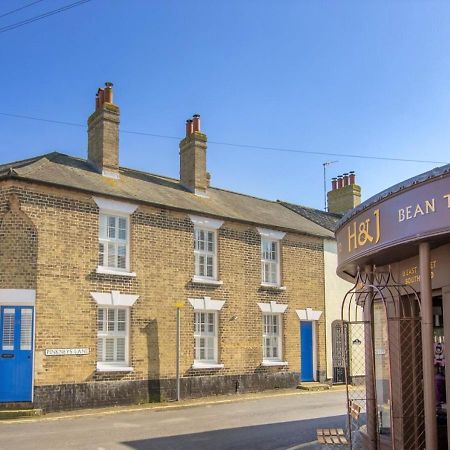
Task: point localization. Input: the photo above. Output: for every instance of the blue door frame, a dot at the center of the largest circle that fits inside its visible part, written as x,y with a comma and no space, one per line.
306,350
16,353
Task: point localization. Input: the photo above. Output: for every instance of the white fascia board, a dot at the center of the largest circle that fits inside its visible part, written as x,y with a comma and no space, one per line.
206,222
107,204
308,314
272,308
206,304
114,298
17,297
271,234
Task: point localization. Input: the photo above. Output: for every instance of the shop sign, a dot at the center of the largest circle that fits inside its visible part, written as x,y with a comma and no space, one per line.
417,212
66,351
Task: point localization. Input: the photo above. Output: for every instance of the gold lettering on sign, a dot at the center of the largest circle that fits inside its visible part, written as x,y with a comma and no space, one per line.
447,196
411,276
363,232
412,211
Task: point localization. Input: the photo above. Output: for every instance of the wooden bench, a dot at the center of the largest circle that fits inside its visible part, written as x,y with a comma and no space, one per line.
335,437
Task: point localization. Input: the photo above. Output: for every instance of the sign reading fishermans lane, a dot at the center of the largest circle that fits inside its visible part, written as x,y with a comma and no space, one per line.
417,212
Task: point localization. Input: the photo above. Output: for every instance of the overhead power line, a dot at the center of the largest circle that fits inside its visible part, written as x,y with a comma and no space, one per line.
20,9
234,144
42,16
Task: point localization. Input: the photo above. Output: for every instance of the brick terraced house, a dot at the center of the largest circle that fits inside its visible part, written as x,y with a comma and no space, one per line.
95,257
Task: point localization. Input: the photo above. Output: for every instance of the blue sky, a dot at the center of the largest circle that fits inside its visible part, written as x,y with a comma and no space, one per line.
363,78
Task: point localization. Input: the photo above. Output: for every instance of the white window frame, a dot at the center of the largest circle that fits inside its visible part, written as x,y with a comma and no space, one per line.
278,336
265,261
205,253
206,225
278,309
115,299
205,335
108,207
275,237
114,365
207,306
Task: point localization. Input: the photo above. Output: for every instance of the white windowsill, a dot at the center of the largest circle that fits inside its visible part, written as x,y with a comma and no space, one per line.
269,363
275,287
108,271
200,280
104,367
201,365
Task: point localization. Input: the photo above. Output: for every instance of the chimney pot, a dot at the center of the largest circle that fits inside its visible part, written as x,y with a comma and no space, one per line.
188,127
196,122
339,181
345,179
352,177
108,92
333,184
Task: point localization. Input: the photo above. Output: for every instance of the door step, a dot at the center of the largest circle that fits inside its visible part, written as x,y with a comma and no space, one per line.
19,413
313,386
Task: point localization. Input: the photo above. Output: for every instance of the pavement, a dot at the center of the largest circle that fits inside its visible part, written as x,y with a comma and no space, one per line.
274,420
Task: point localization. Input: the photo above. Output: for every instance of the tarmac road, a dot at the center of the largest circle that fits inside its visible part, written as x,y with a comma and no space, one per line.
277,421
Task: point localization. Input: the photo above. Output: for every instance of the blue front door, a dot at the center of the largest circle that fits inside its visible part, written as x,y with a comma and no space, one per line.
307,349
16,354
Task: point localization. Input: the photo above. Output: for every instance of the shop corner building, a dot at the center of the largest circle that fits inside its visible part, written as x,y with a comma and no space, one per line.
95,259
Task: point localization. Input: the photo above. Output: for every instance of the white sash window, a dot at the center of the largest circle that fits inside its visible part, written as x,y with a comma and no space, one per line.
271,257
205,336
272,337
113,242
112,336
205,253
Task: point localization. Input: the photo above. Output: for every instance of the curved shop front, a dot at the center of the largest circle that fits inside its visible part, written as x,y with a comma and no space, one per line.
396,246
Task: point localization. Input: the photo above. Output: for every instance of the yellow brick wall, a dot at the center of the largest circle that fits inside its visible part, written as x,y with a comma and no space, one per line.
66,226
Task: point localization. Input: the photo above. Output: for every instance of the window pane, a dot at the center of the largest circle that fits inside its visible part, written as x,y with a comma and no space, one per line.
26,327
111,227
209,266
109,350
111,254
101,254
100,319
8,329
120,349
100,342
121,319
210,241
122,257
122,228
111,316
201,266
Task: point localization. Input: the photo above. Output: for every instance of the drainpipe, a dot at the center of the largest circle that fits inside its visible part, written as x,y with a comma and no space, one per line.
427,347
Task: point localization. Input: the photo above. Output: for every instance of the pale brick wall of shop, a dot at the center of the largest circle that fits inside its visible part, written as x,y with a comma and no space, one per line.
51,244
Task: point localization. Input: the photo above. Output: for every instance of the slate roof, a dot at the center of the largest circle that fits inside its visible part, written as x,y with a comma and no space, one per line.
141,187
325,219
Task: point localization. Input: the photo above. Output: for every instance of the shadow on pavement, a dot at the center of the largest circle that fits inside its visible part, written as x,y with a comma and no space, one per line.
274,436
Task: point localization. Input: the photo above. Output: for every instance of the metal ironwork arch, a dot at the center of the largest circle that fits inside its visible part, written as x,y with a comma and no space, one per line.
396,349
